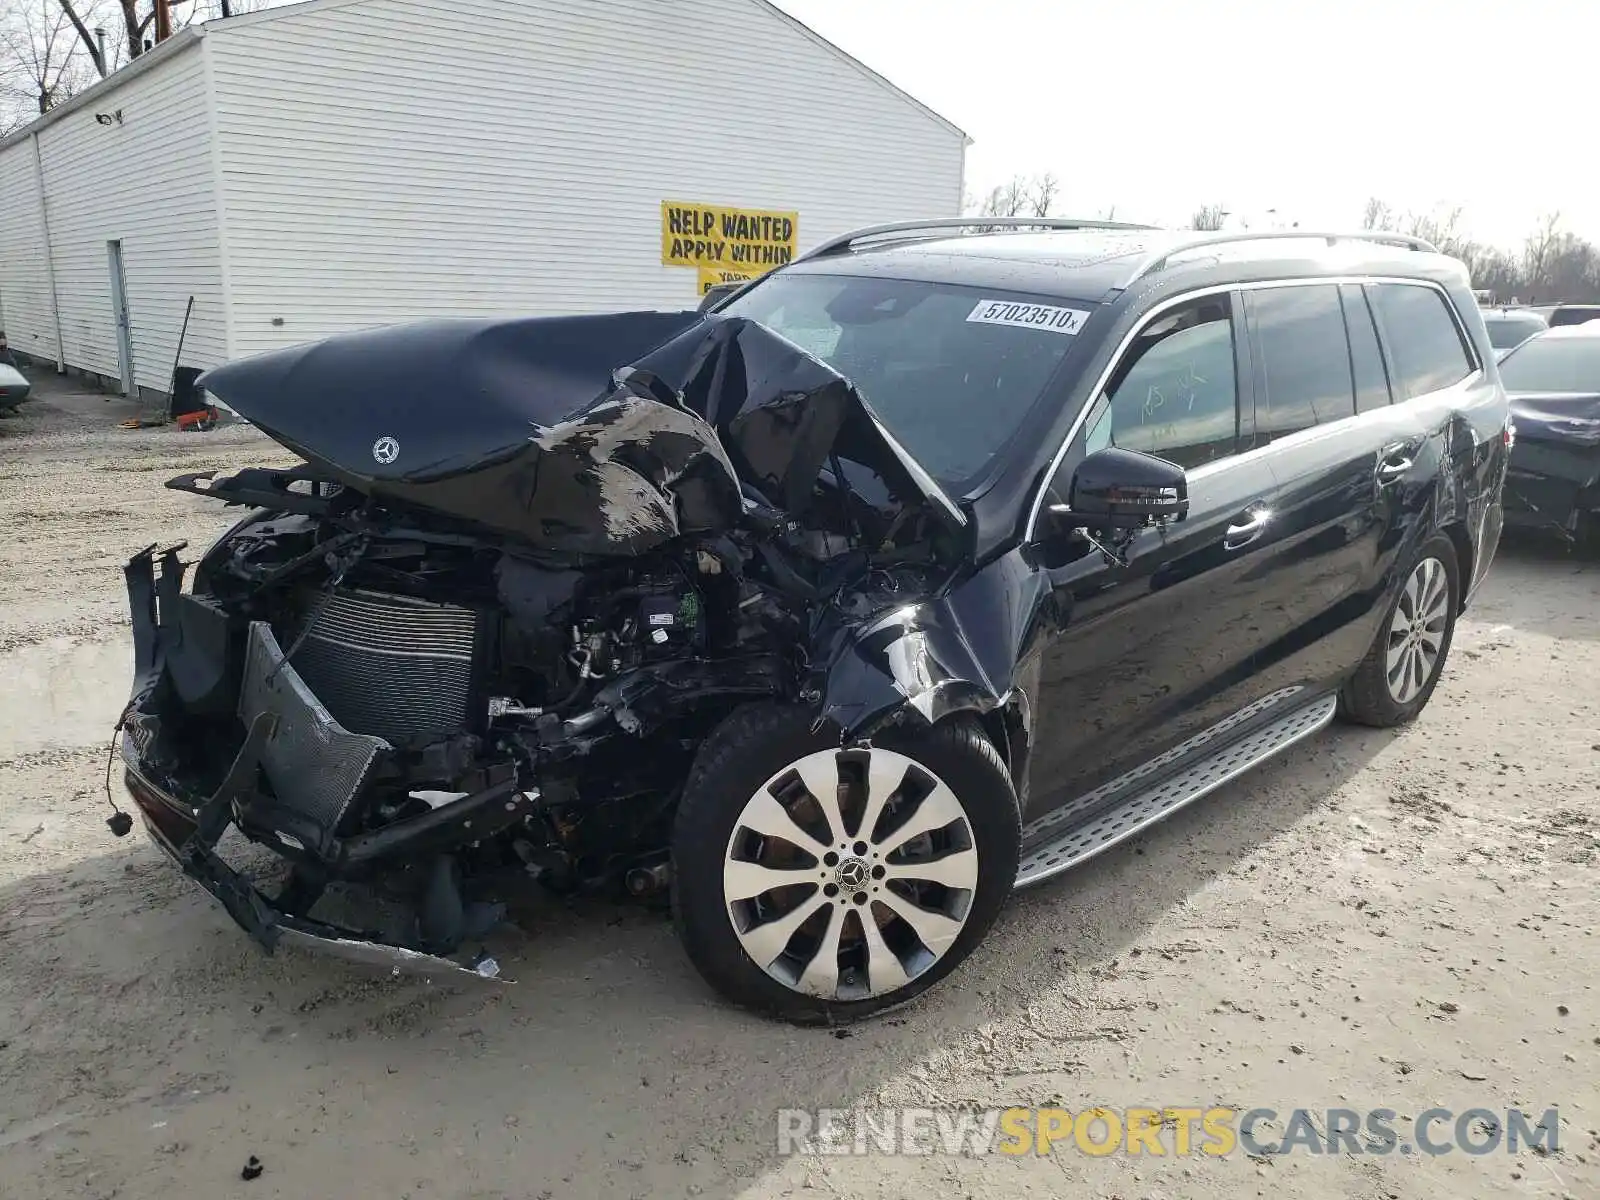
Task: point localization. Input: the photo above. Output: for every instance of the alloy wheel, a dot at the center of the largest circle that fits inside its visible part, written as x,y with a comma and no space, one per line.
850,873
1417,629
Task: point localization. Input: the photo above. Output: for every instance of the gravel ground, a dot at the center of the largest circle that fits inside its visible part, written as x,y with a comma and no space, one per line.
1378,920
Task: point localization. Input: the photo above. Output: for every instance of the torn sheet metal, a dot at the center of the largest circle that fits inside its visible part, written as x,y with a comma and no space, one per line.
955,652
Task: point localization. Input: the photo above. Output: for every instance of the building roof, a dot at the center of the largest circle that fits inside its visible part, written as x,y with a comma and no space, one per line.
187,37
148,61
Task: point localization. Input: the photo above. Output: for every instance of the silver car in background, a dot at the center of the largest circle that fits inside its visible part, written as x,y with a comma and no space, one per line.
13,388
1510,327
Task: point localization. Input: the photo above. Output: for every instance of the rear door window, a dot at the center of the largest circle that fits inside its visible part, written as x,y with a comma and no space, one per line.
1424,340
1366,359
1304,359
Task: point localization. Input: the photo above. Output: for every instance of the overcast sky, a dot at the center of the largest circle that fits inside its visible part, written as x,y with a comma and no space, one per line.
1303,106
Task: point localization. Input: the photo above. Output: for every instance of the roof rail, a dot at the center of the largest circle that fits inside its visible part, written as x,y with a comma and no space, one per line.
845,241
1200,241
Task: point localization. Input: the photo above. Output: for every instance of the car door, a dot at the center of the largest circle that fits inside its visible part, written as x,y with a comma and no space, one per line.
1157,641
1341,453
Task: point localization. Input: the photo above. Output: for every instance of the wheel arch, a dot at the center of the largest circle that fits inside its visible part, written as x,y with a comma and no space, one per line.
1456,531
1009,726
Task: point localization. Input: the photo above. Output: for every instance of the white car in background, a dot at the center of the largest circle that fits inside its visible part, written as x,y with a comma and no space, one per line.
13,389
1510,327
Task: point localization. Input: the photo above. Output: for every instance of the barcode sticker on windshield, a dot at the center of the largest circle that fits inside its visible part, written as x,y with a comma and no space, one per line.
1029,316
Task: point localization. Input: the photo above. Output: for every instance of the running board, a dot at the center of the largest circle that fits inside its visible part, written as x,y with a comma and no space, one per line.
1139,811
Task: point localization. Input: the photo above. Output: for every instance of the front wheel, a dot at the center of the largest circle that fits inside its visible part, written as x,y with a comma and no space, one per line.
825,883
1398,675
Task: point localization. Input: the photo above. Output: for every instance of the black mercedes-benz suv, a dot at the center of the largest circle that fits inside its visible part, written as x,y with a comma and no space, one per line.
922,569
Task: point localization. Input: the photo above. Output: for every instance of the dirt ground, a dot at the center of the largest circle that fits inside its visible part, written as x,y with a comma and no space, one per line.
1375,921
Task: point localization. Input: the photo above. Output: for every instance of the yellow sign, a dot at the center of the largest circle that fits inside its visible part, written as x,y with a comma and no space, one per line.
711,276
739,239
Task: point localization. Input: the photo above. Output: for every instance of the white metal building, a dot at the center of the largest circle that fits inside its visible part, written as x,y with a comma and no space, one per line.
341,164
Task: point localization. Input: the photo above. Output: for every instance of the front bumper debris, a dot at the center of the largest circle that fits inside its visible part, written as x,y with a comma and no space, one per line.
187,828
174,828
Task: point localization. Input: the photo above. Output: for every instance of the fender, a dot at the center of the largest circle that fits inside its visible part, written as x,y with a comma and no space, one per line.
960,651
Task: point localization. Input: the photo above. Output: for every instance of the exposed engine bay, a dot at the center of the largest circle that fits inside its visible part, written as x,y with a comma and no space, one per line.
437,675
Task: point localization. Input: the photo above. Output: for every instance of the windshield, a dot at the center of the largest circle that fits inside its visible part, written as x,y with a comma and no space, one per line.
1511,330
951,371
1553,364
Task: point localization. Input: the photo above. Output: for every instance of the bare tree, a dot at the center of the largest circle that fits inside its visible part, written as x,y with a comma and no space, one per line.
1021,196
1006,199
1378,215
1042,194
1208,217
92,46
1537,250
38,60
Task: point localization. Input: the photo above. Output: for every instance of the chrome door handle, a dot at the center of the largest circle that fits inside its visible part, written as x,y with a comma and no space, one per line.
1247,531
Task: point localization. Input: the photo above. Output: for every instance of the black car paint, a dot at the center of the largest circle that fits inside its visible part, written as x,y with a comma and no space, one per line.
1554,480
519,427
1553,483
1082,664
1107,665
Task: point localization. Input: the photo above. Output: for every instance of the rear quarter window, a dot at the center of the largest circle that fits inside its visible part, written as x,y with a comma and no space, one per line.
1424,340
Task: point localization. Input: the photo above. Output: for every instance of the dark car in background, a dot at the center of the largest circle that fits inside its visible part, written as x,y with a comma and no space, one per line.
1553,380
924,568
1509,327
1573,314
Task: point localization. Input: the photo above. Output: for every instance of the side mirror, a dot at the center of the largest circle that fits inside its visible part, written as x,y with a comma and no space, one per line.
1124,489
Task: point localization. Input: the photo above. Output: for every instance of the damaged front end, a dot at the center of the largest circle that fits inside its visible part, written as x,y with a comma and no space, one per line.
480,632
1553,481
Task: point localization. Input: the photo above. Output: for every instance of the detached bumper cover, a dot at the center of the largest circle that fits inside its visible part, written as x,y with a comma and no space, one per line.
175,828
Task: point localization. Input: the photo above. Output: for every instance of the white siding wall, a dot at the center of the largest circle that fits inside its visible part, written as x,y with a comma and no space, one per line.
384,160
24,285
148,182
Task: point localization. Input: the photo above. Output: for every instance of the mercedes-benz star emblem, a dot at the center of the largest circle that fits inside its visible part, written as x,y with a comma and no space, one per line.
386,450
852,874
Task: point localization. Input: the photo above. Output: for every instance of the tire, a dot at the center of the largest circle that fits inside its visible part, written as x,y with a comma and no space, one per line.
752,759
1370,698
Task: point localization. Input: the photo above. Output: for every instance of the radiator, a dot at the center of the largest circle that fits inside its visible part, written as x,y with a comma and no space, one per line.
391,666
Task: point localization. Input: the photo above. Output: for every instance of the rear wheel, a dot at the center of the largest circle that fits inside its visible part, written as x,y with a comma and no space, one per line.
821,883
1398,675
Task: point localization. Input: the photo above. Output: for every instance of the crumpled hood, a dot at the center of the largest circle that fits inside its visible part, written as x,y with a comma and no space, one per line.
1571,417
604,434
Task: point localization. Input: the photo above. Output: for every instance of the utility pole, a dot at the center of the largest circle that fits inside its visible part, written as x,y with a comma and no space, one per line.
163,21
